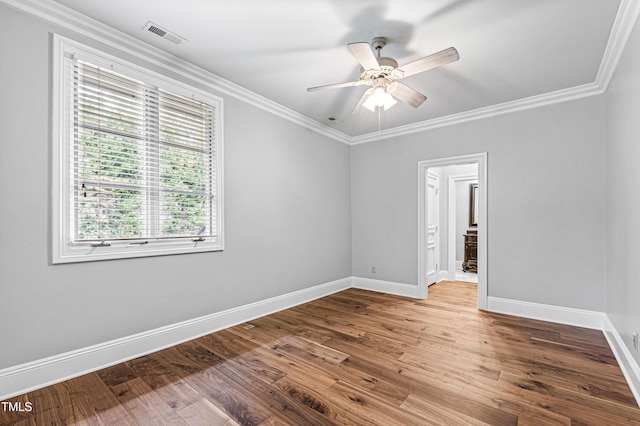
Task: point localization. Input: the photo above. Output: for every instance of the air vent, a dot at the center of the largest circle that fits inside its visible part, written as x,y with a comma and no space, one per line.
164,33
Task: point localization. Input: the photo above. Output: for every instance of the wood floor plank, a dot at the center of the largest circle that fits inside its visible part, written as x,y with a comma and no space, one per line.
362,358
379,387
294,368
248,388
171,388
213,386
478,395
89,401
373,409
203,412
438,414
386,329
316,401
29,421
116,374
571,380
251,363
564,402
145,405
304,319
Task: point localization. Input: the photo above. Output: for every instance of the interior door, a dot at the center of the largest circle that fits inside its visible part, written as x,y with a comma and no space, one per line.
433,189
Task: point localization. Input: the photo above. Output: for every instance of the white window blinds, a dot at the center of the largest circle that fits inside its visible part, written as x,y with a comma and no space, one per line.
144,160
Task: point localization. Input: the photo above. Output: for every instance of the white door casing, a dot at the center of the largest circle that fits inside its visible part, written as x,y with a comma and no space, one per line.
481,160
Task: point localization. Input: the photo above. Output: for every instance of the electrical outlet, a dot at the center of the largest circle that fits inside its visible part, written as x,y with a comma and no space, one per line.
635,340
373,269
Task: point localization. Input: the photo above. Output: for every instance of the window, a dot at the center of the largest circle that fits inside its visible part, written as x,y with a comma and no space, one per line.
137,161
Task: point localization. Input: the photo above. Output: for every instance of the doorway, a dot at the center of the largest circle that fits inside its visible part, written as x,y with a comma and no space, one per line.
427,220
462,184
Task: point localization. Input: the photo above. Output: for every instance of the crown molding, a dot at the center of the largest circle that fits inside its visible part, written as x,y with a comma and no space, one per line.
65,17
536,101
62,16
620,32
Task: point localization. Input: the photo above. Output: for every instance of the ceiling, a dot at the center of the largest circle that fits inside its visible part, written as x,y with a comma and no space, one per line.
509,49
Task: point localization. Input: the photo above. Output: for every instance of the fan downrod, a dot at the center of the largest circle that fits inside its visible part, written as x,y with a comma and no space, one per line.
387,64
377,43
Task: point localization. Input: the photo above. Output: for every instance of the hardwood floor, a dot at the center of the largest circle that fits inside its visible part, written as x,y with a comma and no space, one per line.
358,357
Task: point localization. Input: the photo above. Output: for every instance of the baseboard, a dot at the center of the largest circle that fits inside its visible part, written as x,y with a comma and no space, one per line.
627,363
557,314
443,275
27,377
390,287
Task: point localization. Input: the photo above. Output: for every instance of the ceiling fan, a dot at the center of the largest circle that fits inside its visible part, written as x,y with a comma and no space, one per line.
382,74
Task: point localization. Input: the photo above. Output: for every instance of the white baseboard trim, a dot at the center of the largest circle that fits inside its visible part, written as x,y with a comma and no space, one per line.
27,377
557,314
390,287
443,275
627,363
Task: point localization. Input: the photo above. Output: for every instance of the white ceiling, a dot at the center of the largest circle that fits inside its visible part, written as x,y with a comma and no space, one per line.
509,49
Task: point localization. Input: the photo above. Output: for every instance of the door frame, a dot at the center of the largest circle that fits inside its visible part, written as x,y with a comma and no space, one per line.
481,160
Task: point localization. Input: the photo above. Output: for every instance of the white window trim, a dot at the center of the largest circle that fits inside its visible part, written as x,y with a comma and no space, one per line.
62,250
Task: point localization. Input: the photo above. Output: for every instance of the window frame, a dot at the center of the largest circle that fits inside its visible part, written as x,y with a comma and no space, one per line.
63,249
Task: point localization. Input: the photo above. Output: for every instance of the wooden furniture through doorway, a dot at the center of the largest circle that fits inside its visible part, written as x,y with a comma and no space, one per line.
470,263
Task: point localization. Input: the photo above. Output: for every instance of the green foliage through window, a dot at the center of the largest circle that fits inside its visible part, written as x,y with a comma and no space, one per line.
144,160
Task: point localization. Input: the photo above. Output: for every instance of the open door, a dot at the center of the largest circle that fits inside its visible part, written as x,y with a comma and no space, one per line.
432,249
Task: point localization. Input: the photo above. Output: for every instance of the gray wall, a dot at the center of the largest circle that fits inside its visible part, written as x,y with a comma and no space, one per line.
545,202
623,194
287,212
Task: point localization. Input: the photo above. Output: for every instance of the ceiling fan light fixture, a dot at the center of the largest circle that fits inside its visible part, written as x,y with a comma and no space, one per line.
379,98
382,73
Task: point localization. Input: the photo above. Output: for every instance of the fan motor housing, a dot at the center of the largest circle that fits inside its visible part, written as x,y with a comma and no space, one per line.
384,63
387,62
387,65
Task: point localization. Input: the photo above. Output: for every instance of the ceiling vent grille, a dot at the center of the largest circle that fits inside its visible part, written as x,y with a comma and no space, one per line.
164,33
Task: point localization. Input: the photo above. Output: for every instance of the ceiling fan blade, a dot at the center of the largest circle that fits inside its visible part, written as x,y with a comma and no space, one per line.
363,53
360,106
429,62
406,94
336,86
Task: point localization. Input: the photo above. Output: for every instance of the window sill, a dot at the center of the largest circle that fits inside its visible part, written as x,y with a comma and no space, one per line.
72,253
